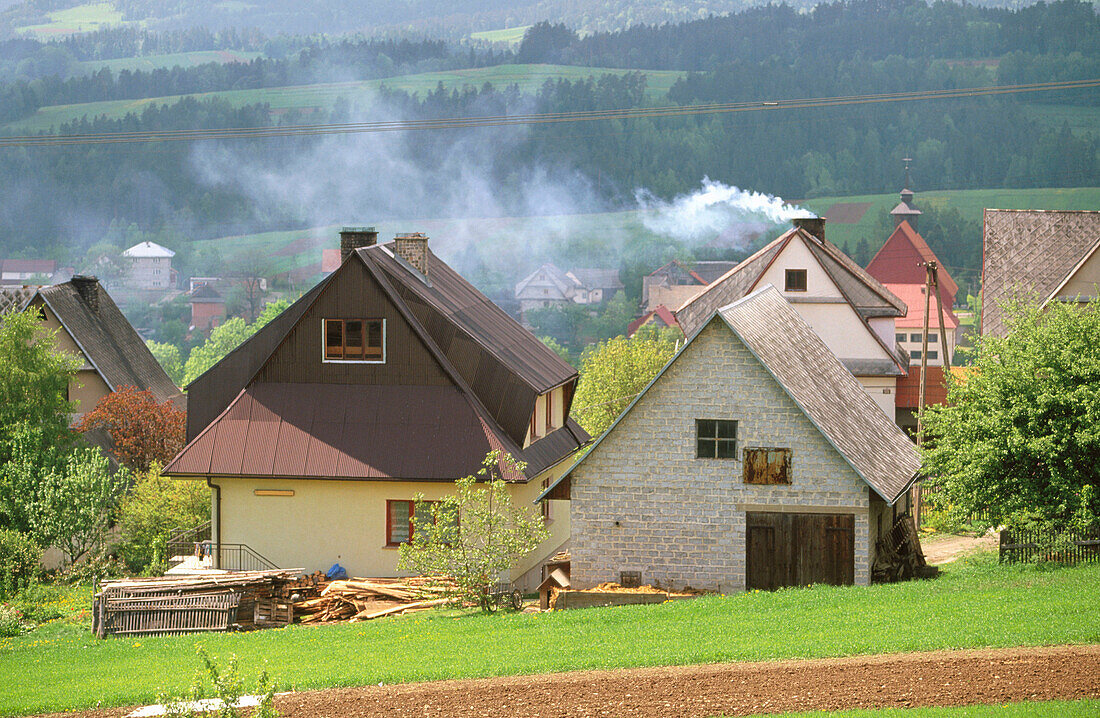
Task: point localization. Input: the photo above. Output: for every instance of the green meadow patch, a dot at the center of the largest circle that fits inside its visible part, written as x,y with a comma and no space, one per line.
81,18
975,603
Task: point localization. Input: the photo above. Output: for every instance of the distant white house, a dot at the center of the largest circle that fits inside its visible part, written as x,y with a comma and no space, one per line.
150,266
549,286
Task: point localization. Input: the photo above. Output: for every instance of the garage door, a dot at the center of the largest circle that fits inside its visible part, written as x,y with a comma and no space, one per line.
799,549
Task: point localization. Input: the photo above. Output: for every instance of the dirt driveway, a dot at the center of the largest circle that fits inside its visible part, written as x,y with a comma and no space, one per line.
947,548
901,680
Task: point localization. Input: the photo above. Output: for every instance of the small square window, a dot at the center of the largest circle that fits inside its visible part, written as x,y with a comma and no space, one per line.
350,340
715,439
933,338
899,338
914,353
933,354
796,280
914,337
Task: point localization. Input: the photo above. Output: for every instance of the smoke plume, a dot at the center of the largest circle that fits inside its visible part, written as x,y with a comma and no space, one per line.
718,215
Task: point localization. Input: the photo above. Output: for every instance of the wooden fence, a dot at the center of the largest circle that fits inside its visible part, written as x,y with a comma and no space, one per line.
1069,547
934,498
146,614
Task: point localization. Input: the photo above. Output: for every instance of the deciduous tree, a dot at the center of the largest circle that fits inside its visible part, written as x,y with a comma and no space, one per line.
1021,433
475,535
142,429
614,372
151,509
225,339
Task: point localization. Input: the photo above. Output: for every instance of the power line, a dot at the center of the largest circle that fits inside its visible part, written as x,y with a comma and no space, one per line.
532,119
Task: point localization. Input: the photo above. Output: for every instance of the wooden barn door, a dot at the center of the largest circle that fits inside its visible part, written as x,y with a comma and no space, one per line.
784,549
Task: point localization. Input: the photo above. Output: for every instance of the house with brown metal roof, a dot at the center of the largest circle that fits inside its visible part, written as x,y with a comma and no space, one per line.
753,460
849,309
1037,255
89,324
392,377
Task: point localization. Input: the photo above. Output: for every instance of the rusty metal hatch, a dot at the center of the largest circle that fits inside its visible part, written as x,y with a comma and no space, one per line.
767,466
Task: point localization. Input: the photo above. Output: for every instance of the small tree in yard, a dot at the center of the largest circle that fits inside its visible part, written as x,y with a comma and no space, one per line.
152,508
76,503
1020,436
143,430
475,534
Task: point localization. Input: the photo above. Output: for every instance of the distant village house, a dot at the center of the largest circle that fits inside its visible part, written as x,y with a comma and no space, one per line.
150,266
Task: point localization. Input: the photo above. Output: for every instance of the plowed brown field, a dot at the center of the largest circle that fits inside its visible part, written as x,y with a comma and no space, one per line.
940,678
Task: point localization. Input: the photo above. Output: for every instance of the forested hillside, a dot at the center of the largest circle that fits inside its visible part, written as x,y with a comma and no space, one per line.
845,49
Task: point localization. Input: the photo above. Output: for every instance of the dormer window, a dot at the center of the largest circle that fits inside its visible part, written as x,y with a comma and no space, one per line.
796,280
355,340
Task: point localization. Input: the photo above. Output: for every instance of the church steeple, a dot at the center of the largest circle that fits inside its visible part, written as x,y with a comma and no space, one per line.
905,211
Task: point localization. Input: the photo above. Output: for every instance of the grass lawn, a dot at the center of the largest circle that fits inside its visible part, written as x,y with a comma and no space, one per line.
324,95
510,35
975,603
1044,709
168,61
82,18
969,203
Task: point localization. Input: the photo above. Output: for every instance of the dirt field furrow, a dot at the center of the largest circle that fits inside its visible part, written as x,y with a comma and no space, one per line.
906,680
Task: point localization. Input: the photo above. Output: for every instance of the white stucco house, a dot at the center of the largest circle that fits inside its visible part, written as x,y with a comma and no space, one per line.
150,266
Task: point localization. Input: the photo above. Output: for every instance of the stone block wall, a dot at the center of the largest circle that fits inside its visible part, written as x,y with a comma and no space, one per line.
642,501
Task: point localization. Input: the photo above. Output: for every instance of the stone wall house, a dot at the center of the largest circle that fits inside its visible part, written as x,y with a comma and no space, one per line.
753,460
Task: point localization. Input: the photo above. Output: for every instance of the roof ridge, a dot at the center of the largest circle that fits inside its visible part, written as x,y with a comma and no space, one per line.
738,268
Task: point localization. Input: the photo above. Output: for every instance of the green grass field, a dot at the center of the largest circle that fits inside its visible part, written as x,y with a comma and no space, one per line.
510,35
497,236
322,96
1046,709
82,18
168,61
975,603
969,203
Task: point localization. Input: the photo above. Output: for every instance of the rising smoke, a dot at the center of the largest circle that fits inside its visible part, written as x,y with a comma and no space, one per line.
718,215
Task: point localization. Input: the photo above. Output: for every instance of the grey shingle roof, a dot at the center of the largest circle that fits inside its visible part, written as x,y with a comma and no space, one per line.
13,299
109,341
827,392
592,278
1030,252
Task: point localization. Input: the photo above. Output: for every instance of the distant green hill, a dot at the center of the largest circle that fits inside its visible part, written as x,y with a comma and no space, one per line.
322,96
176,59
500,241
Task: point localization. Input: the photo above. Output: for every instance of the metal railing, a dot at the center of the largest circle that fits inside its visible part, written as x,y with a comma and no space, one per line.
239,557
197,542
183,542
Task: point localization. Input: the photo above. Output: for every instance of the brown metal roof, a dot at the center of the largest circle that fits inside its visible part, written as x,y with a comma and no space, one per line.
332,431
554,447
1030,252
108,341
448,293
217,386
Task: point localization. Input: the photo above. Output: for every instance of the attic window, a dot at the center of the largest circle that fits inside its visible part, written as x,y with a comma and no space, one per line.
796,280
355,340
767,466
715,439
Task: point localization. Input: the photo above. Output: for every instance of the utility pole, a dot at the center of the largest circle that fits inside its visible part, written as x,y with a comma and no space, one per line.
929,280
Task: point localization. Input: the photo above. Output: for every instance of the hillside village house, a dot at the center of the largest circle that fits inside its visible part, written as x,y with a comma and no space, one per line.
549,286
851,310
150,266
1043,255
673,284
753,460
392,377
16,272
900,266
89,324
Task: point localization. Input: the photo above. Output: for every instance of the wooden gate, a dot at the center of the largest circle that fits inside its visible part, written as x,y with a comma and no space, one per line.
784,549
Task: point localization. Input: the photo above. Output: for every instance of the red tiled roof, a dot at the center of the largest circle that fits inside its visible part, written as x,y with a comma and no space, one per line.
661,312
908,388
899,262
913,296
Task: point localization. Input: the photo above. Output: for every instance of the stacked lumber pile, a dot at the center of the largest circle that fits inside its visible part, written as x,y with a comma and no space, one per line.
362,599
185,598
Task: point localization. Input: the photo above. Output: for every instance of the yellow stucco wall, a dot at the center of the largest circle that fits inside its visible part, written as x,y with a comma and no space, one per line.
327,522
1084,281
87,387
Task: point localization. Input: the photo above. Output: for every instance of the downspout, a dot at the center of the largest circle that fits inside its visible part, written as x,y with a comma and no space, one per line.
217,519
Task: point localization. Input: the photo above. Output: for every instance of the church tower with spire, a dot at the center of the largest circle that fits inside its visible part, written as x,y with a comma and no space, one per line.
905,211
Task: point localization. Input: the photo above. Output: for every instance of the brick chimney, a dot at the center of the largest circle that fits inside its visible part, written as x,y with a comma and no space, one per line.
413,248
88,289
353,238
813,225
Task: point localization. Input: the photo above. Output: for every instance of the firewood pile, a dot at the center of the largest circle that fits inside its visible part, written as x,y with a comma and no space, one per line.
363,599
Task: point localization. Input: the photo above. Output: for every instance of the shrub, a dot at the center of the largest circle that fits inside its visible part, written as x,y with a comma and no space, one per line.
11,621
226,685
19,559
38,603
155,506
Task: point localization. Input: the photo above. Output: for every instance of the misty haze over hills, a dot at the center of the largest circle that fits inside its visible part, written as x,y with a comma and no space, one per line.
434,18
